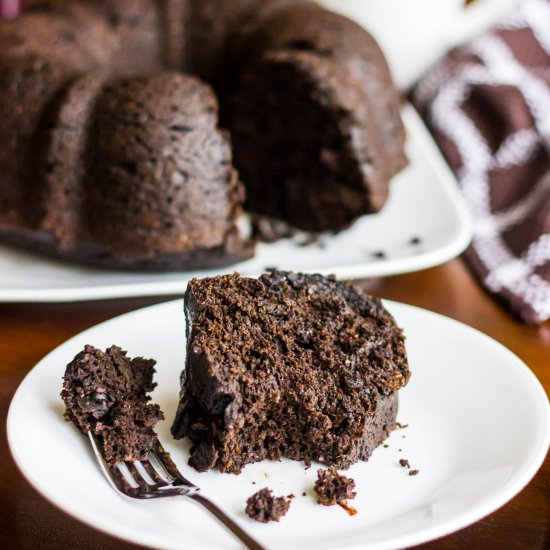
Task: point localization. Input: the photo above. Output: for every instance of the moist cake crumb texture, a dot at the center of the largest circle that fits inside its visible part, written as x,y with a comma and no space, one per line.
293,365
264,507
332,487
106,393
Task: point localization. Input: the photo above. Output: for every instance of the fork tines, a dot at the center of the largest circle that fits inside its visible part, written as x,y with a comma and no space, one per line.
155,477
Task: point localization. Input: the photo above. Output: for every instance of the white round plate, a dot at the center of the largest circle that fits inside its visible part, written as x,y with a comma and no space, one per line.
478,430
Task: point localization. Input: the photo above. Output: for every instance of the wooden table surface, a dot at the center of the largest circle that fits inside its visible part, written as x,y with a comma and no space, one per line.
28,332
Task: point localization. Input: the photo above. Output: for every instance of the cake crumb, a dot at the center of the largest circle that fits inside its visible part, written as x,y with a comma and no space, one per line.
307,240
399,426
404,463
414,472
264,507
385,446
269,230
332,487
379,254
304,494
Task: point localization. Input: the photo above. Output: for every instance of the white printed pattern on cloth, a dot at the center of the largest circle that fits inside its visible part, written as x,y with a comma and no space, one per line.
505,270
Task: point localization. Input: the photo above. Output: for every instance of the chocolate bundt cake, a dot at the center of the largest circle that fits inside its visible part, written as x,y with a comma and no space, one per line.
287,365
113,156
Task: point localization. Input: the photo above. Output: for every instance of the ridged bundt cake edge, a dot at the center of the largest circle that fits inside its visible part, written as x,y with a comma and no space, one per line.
123,37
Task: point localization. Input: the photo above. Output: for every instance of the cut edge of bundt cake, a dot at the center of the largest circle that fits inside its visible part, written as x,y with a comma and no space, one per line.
313,88
289,106
287,365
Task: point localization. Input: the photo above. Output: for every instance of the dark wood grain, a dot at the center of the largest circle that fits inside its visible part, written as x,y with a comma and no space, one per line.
28,332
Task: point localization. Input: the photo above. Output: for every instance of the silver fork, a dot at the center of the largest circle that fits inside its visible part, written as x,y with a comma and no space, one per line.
159,477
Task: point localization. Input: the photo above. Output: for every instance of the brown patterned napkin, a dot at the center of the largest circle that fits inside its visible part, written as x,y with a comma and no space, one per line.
488,107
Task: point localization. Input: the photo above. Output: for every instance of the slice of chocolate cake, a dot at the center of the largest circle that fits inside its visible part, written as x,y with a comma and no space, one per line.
293,365
106,393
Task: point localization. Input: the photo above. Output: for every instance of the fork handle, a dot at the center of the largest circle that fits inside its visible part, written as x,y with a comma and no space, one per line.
246,539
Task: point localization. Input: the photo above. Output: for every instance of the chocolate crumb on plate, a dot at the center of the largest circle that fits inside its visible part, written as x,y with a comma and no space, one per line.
264,507
270,230
379,254
332,487
414,472
308,239
404,463
304,494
